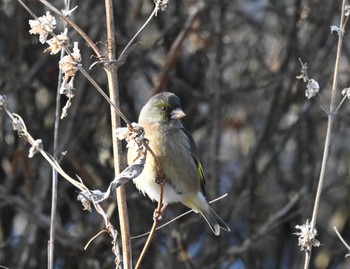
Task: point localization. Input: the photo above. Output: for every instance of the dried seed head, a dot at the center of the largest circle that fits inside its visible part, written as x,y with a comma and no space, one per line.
306,238
69,63
160,5
42,26
346,92
57,43
312,88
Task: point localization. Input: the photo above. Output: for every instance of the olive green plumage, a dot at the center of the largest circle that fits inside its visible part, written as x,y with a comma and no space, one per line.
176,151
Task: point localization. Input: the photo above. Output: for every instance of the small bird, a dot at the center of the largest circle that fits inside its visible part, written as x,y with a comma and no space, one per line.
175,149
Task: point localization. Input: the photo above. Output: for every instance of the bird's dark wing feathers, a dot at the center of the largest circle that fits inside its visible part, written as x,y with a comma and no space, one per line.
195,157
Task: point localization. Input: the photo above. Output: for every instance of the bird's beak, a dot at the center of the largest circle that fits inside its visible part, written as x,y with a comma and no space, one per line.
177,114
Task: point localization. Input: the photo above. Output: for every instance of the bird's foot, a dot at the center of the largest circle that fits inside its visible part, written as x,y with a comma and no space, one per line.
160,180
158,214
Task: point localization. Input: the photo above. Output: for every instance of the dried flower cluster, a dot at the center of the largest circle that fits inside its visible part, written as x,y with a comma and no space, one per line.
347,10
312,86
134,135
307,236
43,26
57,43
346,92
160,5
69,64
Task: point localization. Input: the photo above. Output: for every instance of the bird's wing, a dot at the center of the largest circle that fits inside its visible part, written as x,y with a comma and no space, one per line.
195,157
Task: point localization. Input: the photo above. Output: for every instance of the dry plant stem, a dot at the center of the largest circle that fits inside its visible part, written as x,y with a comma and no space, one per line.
331,114
124,53
342,239
51,243
111,71
108,99
153,229
74,26
176,218
151,234
159,208
54,191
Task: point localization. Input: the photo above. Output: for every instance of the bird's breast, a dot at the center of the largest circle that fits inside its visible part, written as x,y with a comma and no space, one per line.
172,150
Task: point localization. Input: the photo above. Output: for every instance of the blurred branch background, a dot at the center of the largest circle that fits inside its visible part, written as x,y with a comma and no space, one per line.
234,64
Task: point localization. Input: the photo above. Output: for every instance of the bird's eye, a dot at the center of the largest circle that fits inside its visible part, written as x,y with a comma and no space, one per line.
163,108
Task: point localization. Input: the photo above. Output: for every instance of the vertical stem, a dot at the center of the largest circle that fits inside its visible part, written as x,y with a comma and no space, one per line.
51,243
111,71
328,134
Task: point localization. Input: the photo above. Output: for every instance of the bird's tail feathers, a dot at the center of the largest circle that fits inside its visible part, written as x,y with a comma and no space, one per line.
214,221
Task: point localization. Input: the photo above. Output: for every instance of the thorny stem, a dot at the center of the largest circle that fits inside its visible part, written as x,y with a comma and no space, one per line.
331,115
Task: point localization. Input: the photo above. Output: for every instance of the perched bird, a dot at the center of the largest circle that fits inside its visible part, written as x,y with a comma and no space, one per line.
177,154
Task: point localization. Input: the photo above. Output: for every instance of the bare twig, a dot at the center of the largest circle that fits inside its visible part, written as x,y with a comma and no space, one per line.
176,218
342,240
75,27
161,182
94,237
112,78
128,48
51,243
37,147
153,229
330,115
105,96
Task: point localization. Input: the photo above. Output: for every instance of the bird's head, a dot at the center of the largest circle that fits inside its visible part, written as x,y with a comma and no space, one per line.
162,108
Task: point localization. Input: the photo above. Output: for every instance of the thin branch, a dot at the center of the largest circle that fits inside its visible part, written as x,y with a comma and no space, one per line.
176,218
342,240
112,78
153,229
161,182
54,191
328,135
37,147
105,96
74,26
130,45
94,237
